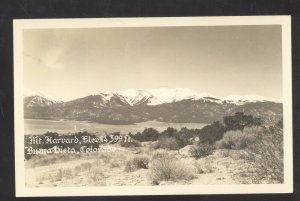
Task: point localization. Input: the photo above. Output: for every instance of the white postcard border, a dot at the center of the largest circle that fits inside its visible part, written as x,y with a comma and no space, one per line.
20,24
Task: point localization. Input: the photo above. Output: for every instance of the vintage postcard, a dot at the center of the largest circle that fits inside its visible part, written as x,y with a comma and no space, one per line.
153,106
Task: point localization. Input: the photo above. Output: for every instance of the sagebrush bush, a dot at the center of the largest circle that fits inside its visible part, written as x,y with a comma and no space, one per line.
240,139
41,179
168,143
96,175
132,143
114,163
167,168
224,153
86,166
256,131
61,174
201,151
49,159
266,156
136,162
203,168
241,154
77,170
67,173
83,167
105,157
159,154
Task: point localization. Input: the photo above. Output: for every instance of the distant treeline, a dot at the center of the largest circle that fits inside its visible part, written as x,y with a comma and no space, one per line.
169,139
208,135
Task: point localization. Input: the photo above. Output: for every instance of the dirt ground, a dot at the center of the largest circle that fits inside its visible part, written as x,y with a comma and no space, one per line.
108,169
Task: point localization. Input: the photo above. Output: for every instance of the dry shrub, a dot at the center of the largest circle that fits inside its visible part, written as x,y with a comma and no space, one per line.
67,173
86,166
77,170
160,154
168,143
96,175
105,157
240,139
42,160
49,159
41,178
132,143
201,151
167,168
224,153
61,174
115,163
203,168
266,156
239,154
136,162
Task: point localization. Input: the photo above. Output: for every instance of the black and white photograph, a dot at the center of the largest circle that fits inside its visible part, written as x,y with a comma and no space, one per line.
186,105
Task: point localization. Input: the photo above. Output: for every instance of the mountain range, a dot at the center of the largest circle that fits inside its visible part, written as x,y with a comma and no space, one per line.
179,105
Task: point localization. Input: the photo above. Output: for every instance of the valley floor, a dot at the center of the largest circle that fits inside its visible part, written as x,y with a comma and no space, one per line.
108,169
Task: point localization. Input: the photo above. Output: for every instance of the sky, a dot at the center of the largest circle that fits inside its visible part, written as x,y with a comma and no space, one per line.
219,60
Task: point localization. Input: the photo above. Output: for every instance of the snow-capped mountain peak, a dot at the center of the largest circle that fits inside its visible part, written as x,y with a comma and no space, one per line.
134,96
167,95
158,95
155,96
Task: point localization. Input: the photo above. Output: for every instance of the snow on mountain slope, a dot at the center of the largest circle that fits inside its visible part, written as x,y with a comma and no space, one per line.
134,96
159,95
106,96
156,96
167,95
35,100
29,93
239,99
